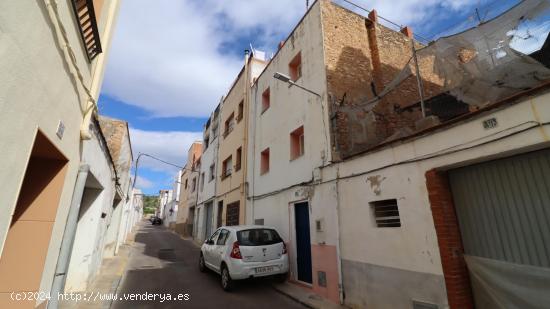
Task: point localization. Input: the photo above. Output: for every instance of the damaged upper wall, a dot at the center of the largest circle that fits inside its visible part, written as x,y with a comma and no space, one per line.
376,94
362,57
118,139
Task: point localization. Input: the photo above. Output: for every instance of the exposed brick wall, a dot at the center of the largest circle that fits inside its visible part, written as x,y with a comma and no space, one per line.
457,280
360,55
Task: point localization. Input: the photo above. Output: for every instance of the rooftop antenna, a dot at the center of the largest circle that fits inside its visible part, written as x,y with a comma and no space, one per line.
307,5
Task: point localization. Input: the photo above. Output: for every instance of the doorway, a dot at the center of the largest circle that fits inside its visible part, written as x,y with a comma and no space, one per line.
208,223
28,238
220,213
232,214
303,242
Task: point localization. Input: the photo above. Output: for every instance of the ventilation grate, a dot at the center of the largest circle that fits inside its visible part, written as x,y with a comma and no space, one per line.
386,213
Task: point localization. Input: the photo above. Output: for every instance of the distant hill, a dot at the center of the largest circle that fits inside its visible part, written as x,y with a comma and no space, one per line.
150,203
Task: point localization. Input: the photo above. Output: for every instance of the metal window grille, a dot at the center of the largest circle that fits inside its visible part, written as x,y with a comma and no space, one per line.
386,213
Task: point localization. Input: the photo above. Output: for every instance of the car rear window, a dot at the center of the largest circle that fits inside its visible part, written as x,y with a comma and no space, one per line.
258,237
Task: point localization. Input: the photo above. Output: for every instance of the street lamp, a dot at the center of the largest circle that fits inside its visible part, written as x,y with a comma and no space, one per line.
286,79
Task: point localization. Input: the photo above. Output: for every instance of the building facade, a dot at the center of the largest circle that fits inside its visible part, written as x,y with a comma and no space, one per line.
56,90
361,174
233,144
185,222
207,220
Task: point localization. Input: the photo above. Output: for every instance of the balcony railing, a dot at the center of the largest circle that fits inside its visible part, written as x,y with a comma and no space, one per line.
87,24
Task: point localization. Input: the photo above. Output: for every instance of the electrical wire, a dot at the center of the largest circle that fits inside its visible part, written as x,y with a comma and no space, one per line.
68,52
414,160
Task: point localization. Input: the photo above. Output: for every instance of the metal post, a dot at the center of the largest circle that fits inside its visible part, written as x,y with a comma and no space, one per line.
67,242
419,80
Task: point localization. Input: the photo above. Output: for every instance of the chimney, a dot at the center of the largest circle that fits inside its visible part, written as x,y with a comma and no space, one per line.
377,76
373,16
408,31
281,44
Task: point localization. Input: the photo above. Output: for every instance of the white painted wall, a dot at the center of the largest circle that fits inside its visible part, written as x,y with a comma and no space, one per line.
290,108
209,157
87,250
36,92
414,245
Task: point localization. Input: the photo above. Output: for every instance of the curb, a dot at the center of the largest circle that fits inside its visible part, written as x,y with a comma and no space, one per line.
296,299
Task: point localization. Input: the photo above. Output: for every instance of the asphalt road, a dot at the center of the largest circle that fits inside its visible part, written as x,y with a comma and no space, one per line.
163,263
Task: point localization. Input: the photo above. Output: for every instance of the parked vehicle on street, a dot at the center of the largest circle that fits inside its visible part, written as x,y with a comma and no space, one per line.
241,252
156,220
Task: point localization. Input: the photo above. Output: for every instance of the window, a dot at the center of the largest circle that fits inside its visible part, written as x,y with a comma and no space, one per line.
202,182
297,143
223,238
229,125
266,98
212,172
194,186
238,159
386,213
226,167
240,111
258,237
295,67
264,163
186,184
213,237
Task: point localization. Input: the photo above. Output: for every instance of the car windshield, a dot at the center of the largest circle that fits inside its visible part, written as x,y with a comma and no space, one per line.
258,237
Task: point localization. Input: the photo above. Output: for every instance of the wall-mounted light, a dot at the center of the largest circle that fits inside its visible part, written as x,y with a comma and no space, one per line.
285,78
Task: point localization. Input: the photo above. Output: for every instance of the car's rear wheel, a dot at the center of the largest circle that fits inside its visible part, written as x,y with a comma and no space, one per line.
202,266
226,281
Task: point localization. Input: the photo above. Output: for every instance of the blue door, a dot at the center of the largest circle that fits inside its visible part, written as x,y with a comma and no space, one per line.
303,242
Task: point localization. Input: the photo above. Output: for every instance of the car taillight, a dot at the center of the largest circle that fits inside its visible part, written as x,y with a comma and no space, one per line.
236,251
284,248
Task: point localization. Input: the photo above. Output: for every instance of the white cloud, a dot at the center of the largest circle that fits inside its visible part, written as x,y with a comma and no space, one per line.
168,56
171,57
171,147
144,183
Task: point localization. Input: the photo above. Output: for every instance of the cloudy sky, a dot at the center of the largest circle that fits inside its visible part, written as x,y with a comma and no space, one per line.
172,60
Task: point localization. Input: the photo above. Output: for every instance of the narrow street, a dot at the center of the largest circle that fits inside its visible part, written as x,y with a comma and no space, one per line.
161,262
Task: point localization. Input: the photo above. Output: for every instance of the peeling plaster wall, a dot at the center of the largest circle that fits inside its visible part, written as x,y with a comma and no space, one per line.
378,261
90,234
36,92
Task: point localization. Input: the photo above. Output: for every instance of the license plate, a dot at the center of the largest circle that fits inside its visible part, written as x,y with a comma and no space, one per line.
265,269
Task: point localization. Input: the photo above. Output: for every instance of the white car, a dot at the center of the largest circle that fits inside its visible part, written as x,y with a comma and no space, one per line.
240,252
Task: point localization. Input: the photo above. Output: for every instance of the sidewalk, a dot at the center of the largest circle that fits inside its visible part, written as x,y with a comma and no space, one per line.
106,282
305,297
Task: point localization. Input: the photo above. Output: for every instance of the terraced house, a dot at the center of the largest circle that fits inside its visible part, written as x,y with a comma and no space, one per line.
383,161
65,177
232,156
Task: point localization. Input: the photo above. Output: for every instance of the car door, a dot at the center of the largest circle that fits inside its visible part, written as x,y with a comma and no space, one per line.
209,245
219,249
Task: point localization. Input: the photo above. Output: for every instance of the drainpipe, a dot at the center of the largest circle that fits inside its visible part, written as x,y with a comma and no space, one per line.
66,249
244,153
338,240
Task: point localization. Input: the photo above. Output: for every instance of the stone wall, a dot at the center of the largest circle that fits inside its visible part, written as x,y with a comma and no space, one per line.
362,57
